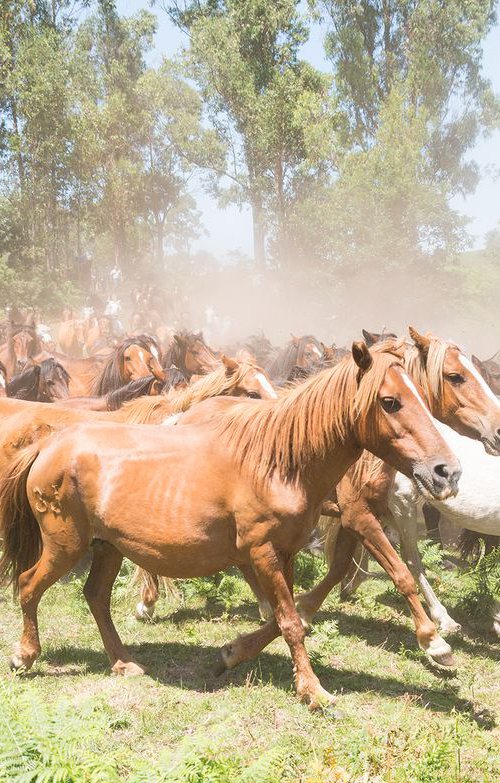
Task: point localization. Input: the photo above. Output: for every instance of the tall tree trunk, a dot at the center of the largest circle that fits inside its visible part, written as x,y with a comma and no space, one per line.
259,234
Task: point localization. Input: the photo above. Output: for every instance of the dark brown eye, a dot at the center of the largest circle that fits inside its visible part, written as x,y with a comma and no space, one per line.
390,404
254,395
455,378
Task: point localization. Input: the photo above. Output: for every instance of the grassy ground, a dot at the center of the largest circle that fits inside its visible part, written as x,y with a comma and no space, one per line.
68,721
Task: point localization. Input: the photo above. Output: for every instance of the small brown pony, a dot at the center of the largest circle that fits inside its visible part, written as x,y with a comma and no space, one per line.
239,483
22,344
189,352
454,396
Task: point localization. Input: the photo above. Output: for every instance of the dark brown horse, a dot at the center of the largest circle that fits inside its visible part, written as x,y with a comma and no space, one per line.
301,352
45,382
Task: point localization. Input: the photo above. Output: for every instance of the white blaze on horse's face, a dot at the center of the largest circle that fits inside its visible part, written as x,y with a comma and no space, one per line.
261,378
317,351
2,381
154,353
479,378
413,388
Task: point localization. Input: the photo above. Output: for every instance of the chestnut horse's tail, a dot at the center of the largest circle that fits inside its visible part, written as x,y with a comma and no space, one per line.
149,584
21,538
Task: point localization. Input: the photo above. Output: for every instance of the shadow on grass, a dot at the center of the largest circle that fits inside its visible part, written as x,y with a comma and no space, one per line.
191,667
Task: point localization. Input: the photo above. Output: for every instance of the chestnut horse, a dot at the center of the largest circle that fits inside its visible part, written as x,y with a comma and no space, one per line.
456,396
262,470
189,352
23,343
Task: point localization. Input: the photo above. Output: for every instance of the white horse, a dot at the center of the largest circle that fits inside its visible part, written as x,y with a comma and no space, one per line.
476,507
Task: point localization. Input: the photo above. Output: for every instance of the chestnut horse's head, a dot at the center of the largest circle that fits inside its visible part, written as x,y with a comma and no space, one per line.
393,423
140,356
455,391
249,380
23,344
191,354
54,381
309,351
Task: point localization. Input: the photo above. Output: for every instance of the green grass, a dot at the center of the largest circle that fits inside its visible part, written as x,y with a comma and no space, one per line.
69,721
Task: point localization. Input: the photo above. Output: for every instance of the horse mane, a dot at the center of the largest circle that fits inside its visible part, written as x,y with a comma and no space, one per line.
427,371
50,366
132,390
307,420
25,385
109,378
149,410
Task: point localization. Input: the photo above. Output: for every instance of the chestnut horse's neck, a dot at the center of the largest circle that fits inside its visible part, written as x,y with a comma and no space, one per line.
310,434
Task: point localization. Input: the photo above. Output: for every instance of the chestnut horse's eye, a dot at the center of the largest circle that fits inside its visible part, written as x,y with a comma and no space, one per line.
455,378
390,404
254,395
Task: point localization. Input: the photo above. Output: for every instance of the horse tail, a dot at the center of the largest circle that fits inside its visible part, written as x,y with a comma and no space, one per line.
328,529
22,540
149,585
472,545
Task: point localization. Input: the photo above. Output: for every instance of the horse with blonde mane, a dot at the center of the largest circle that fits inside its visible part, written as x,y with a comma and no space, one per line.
24,423
456,396
262,470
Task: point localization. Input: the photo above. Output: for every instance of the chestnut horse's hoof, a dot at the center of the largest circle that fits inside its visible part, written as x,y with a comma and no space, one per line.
20,662
127,669
318,699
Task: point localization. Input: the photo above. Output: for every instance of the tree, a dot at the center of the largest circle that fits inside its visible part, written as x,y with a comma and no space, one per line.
272,110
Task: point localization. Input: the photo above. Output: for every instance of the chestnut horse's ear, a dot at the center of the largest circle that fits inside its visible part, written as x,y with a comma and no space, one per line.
362,355
328,352
370,338
295,340
231,365
420,340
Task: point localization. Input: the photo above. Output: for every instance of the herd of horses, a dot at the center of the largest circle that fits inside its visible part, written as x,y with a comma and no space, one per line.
189,461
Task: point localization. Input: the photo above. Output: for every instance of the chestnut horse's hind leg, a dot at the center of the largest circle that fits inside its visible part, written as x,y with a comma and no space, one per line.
54,563
106,564
276,580
340,561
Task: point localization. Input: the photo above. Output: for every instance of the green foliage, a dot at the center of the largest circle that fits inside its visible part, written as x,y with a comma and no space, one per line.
40,745
479,588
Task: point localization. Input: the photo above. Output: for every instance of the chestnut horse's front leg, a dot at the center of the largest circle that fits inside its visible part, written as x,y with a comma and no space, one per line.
275,576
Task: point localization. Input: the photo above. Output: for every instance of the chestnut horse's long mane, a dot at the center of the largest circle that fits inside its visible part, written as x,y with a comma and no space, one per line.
308,420
149,410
